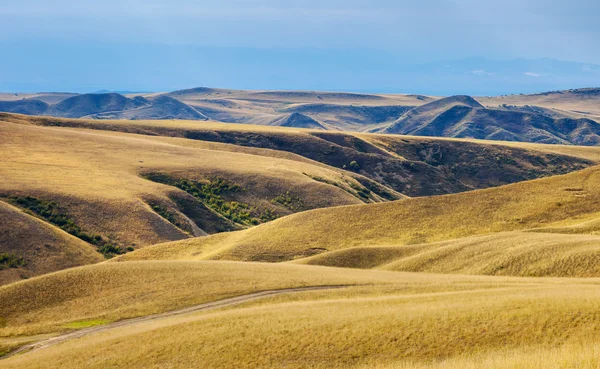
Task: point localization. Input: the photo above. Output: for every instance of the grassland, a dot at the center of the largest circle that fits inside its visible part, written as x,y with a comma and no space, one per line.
388,319
466,280
553,205
91,183
411,166
126,185
40,247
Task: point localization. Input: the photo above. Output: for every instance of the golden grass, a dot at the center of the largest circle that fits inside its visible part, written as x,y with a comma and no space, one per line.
505,253
114,291
551,202
411,320
591,153
95,177
43,247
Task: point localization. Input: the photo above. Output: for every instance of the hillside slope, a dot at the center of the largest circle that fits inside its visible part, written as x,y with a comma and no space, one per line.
32,247
582,101
551,204
119,191
105,106
462,116
409,165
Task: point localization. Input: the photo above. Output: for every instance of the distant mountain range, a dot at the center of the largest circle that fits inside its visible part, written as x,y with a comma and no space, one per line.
558,117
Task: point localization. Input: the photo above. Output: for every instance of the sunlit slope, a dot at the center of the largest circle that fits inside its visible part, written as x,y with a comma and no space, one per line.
113,291
31,247
561,200
504,253
94,185
409,165
424,319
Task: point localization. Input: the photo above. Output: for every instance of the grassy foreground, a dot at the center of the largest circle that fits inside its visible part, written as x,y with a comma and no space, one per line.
388,320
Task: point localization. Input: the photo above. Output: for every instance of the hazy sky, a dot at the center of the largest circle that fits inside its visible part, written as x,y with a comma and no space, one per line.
124,44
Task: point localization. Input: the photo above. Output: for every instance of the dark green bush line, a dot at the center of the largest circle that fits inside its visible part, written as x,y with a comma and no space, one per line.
363,195
289,201
10,260
210,194
51,212
362,192
323,180
377,189
169,216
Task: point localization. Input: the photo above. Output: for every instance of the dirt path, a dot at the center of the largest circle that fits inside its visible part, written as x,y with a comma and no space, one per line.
128,322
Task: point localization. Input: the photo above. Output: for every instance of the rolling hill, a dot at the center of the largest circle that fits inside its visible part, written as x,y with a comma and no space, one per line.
119,191
462,116
559,117
129,184
297,120
405,235
105,106
411,166
190,212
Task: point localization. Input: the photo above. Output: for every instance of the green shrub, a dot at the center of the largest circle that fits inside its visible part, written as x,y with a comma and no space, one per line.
289,201
10,260
210,194
51,212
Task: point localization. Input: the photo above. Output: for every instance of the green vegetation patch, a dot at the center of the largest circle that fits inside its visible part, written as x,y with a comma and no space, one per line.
10,260
289,201
85,324
323,180
211,194
50,211
378,190
170,216
362,192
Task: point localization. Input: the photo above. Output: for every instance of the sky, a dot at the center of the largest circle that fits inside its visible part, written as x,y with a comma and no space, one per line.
425,46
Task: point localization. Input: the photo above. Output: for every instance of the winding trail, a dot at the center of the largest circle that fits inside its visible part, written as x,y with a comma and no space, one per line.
32,347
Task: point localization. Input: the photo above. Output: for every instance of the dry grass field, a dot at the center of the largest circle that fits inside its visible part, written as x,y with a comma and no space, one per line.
554,205
124,185
94,180
471,272
387,320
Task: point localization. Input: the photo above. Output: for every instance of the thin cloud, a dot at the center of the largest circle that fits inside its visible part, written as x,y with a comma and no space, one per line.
532,74
481,72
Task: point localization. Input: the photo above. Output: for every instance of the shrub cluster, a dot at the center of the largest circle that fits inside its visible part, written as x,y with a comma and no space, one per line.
10,260
51,212
291,202
211,194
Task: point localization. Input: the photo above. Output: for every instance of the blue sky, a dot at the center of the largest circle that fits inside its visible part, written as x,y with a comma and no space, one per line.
426,46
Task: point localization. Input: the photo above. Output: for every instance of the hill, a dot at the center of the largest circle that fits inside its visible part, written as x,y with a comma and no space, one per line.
350,117
120,191
297,120
130,184
105,106
29,246
29,107
559,117
462,116
409,165
88,104
560,204
582,101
